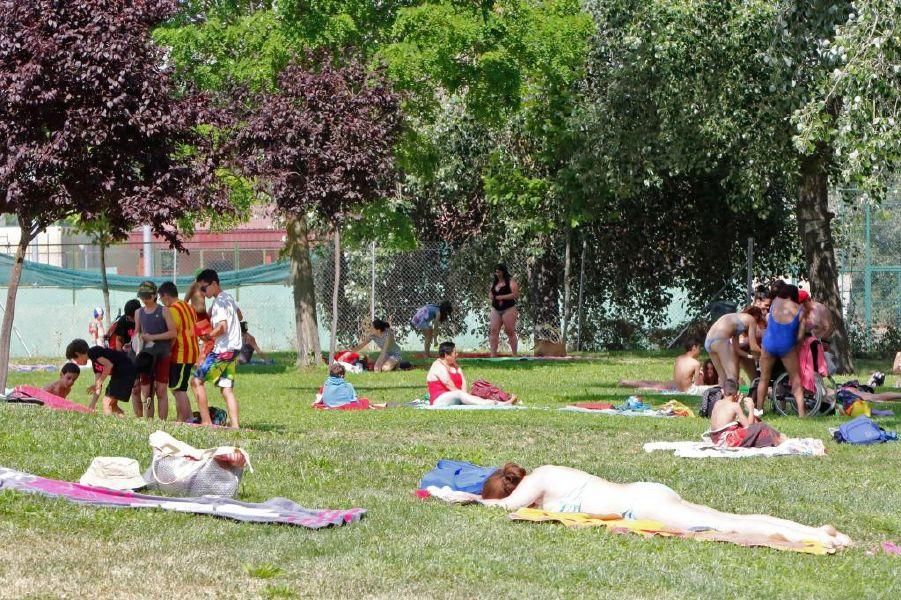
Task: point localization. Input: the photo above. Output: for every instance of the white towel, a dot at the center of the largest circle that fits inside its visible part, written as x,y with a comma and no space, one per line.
790,447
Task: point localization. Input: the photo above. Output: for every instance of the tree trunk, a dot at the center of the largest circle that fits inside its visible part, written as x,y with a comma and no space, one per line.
9,313
544,288
336,286
104,283
815,229
309,351
567,265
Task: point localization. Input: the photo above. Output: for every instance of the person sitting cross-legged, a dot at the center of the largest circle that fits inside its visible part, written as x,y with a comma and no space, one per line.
732,427
447,384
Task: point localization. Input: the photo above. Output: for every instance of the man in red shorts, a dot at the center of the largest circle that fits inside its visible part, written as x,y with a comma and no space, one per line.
156,330
732,427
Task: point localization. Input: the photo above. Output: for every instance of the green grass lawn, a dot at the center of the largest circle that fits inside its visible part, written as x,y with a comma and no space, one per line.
407,547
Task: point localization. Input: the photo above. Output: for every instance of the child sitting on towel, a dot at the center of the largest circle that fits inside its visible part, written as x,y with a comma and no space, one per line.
732,427
336,391
68,375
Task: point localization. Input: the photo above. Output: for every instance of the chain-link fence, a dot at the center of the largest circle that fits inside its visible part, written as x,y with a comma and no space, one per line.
392,284
868,242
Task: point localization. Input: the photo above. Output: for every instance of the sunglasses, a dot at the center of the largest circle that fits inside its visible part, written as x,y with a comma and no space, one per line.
203,288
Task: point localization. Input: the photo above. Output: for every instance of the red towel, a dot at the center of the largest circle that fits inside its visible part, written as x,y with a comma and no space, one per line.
358,404
593,405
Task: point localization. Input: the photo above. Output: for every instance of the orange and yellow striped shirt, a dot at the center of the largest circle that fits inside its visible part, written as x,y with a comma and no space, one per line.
185,349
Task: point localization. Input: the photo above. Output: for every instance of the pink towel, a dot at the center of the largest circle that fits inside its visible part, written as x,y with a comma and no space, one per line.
50,400
808,369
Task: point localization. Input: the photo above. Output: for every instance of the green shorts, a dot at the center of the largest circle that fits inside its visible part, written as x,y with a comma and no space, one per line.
220,369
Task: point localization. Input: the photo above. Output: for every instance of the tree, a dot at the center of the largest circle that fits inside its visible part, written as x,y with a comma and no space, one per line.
491,85
91,127
720,88
215,43
98,231
322,143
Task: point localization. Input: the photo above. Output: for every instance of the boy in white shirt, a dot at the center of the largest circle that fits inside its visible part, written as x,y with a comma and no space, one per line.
220,365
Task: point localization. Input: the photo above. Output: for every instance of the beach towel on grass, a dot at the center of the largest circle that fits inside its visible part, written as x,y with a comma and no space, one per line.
790,447
670,409
457,475
358,404
275,510
617,524
474,407
45,398
646,527
32,368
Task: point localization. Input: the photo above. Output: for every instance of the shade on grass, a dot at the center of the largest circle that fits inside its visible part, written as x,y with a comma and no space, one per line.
410,548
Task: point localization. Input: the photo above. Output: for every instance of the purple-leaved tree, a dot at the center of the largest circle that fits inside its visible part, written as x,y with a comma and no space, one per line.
91,125
322,144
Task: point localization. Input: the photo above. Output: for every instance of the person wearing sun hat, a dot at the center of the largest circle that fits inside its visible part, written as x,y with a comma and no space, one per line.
114,473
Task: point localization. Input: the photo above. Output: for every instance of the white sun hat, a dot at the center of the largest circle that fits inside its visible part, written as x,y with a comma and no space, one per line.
114,473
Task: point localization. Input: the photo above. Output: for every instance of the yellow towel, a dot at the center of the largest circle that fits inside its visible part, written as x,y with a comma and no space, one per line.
679,409
617,524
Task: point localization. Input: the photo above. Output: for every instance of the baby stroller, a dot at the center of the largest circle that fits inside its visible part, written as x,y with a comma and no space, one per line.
818,401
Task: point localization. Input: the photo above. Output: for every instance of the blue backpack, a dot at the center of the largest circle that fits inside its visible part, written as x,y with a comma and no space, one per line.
863,430
458,475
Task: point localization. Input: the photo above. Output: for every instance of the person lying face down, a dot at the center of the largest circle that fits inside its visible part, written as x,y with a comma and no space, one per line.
562,489
68,375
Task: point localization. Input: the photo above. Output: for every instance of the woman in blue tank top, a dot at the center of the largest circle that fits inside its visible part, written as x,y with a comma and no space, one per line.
780,341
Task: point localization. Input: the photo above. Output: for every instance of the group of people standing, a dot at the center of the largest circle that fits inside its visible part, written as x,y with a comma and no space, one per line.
771,329
164,343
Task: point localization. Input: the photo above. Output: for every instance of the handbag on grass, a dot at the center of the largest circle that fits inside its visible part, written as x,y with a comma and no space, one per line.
180,469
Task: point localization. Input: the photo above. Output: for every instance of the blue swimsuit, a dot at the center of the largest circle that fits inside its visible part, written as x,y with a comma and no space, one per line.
780,338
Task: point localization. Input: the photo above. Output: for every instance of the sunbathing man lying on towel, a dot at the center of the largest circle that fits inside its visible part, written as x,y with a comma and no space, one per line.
686,374
733,428
562,489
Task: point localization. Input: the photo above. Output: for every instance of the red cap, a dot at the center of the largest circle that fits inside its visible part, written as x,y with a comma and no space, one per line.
803,296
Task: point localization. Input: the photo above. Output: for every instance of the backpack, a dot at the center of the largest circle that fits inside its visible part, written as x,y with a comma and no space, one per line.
863,430
484,389
458,475
710,397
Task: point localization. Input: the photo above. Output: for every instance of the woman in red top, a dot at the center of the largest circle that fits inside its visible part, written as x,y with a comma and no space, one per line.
446,382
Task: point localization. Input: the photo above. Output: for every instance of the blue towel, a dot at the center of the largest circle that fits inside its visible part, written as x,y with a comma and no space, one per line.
458,475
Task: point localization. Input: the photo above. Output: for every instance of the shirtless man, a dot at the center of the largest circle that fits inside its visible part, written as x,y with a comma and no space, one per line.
732,427
685,372
68,375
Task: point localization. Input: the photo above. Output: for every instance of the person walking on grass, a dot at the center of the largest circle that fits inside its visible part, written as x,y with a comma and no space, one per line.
156,330
185,349
220,365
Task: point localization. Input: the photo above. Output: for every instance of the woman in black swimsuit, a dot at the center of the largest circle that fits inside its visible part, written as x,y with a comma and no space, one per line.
503,294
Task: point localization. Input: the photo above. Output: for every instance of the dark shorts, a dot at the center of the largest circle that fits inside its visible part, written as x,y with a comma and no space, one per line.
121,383
180,376
159,372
